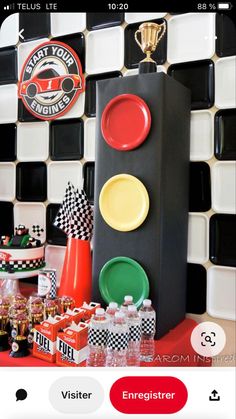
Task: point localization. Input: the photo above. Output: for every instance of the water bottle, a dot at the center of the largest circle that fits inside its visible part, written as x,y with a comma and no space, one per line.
97,339
134,323
128,301
148,328
117,343
111,310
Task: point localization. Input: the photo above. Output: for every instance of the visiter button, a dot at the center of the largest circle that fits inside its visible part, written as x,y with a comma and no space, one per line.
76,395
148,395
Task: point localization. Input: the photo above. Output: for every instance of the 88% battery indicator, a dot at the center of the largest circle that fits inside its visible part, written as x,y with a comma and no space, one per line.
224,6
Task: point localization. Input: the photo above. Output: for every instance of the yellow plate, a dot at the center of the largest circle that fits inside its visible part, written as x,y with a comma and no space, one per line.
124,202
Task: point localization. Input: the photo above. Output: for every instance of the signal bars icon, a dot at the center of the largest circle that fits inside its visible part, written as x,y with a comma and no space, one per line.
9,7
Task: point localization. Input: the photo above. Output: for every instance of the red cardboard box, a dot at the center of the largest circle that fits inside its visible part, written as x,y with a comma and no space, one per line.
72,345
45,338
75,315
89,309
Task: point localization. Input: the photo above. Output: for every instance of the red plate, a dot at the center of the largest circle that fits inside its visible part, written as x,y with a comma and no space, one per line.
126,121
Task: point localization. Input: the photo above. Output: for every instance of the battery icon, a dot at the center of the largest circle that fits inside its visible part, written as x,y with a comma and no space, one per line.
224,6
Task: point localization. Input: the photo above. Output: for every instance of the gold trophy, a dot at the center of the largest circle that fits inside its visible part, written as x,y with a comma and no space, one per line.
19,347
150,35
4,320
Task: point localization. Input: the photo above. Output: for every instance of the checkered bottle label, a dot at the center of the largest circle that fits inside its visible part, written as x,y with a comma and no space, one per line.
148,326
135,333
97,337
118,341
47,283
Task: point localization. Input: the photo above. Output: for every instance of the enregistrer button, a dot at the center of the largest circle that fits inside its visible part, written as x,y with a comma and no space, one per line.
148,395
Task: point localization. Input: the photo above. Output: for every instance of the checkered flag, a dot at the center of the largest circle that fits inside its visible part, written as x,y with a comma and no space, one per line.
97,337
117,341
63,218
148,326
81,225
37,230
135,333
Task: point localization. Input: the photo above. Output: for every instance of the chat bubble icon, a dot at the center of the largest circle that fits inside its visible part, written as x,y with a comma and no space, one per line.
21,394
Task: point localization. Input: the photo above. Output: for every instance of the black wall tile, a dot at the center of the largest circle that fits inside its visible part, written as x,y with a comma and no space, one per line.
54,234
198,76
31,181
6,219
196,289
90,93
103,20
8,142
24,115
89,173
226,35
35,25
133,53
199,187
8,65
77,42
223,239
225,134
67,139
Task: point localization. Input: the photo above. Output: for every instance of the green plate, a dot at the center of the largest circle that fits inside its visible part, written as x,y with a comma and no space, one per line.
123,276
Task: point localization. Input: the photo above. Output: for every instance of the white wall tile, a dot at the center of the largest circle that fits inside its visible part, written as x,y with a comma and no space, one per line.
8,103
89,139
77,110
191,37
135,71
225,82
33,141
29,214
9,31
59,174
24,51
67,23
221,292
198,241
201,135
7,181
105,50
54,257
224,187
142,17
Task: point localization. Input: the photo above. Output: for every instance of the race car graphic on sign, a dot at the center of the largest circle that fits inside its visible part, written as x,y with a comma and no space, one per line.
51,80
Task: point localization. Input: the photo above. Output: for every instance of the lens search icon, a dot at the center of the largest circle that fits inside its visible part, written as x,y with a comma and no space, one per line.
21,394
207,338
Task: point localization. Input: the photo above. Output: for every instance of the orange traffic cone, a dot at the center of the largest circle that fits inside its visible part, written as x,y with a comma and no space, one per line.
76,278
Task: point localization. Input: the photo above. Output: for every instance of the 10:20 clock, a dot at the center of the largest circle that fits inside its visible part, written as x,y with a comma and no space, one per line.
118,6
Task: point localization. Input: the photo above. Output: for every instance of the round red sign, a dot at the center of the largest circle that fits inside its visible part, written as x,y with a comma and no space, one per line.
51,80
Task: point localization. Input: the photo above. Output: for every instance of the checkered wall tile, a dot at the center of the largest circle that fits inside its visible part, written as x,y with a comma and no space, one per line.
37,159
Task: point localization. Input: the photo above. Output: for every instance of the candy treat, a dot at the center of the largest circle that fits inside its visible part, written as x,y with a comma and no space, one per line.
50,308
21,252
4,320
5,302
66,303
36,316
19,298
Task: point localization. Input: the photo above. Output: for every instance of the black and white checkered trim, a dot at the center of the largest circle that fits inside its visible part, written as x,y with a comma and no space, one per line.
118,341
135,333
148,326
22,265
97,337
53,289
